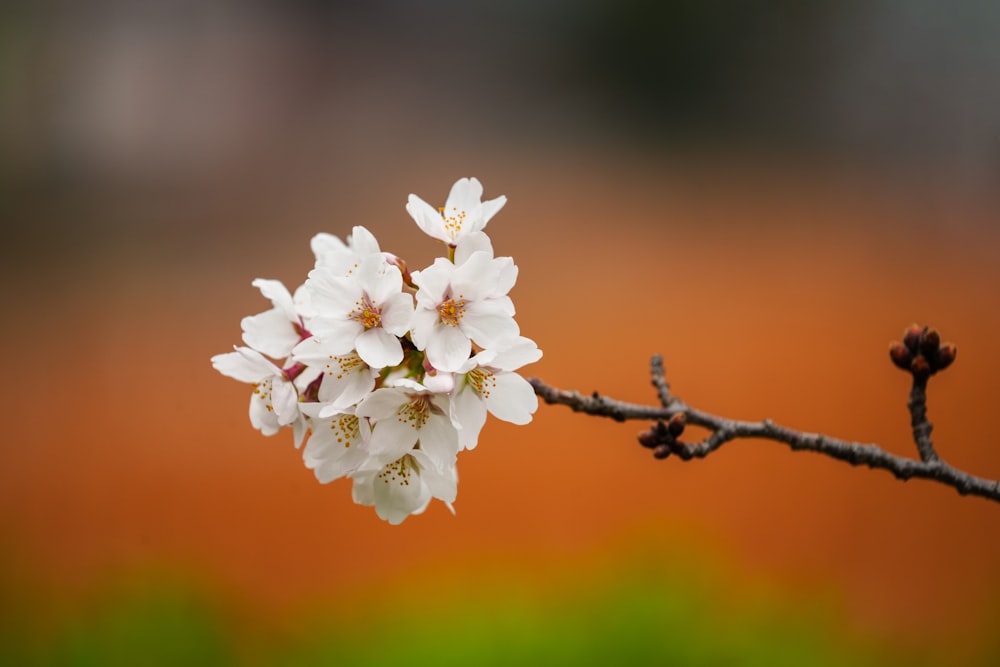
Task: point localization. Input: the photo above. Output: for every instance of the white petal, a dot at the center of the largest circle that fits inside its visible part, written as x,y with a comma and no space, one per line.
491,207
379,349
507,275
427,218
270,332
439,439
382,403
476,278
433,281
470,243
285,401
345,387
336,448
245,365
397,313
513,353
299,429
488,322
399,491
469,413
441,481
337,335
466,195
423,325
439,382
379,279
313,351
391,439
448,347
262,416
512,399
332,295
278,294
363,242
363,490
332,253
400,381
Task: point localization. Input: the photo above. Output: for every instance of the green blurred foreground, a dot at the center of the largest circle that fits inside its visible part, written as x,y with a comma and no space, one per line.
670,618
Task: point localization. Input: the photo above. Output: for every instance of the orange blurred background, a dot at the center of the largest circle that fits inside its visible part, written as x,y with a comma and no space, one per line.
160,159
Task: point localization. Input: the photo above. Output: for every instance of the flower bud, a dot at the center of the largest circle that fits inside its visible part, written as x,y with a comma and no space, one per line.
900,355
911,337
440,382
648,439
919,367
945,355
662,451
676,425
400,264
929,343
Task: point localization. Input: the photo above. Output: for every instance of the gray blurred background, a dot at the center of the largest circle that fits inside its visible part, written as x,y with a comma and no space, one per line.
143,117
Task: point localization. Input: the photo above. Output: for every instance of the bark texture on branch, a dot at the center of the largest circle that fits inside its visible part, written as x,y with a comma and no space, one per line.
921,354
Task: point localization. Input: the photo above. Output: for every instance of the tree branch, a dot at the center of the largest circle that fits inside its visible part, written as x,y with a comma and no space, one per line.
921,354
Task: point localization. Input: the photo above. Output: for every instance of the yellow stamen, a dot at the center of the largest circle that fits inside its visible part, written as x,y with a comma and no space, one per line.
452,310
366,312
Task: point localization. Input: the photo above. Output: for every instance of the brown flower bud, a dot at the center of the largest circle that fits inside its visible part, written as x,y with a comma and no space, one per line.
662,451
900,355
945,355
676,425
930,341
648,439
919,366
911,337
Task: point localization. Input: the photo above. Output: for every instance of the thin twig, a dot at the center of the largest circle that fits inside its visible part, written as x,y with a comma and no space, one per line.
724,430
918,420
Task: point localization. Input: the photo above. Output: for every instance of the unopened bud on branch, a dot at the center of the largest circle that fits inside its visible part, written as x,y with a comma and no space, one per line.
920,367
922,353
911,337
676,425
945,355
930,341
900,355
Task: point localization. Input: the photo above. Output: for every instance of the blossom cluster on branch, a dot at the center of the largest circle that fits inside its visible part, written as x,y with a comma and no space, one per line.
386,375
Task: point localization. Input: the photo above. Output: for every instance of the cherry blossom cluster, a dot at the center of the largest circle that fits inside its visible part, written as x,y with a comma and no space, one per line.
386,375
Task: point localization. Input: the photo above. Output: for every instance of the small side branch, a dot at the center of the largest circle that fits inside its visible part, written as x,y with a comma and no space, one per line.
673,414
918,420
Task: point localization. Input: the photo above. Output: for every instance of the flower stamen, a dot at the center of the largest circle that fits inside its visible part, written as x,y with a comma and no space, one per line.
345,429
344,365
416,412
452,310
453,223
399,471
482,381
367,313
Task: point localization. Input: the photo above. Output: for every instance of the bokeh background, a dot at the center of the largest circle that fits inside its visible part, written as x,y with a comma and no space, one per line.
765,192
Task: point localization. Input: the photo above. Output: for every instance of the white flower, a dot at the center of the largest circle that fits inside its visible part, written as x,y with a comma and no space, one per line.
408,416
405,486
463,213
487,383
463,303
354,341
274,401
366,311
274,332
346,377
337,446
340,258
